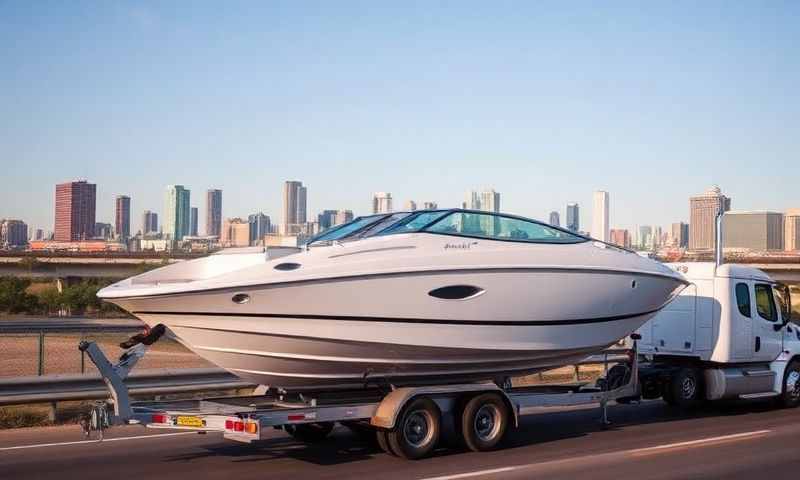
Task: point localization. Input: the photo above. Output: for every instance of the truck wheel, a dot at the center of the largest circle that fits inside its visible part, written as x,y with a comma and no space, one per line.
790,398
685,388
309,432
417,430
484,422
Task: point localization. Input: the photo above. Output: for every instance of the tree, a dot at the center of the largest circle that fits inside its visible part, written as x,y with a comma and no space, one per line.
50,300
14,298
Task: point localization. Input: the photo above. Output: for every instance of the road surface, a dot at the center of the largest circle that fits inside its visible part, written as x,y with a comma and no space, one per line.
646,441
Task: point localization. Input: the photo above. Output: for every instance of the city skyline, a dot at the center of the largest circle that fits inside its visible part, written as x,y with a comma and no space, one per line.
546,112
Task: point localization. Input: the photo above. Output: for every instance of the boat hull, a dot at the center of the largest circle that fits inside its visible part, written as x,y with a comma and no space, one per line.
359,331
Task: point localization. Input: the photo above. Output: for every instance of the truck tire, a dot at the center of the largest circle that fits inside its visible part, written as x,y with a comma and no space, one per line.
417,430
381,436
790,397
685,389
484,421
309,432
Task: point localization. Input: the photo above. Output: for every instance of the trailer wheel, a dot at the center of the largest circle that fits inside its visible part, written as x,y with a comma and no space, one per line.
417,430
685,388
790,398
383,441
309,432
484,422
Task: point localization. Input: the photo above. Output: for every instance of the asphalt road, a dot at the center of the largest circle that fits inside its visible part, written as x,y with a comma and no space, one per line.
648,441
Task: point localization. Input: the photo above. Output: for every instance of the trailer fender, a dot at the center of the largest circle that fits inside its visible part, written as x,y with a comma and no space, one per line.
392,404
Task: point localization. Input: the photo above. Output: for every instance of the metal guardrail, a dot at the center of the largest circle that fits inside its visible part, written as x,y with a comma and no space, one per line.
57,388
70,325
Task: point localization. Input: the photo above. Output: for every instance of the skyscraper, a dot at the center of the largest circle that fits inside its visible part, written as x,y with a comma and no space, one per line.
177,215
259,225
680,235
149,223
600,225
193,222
343,216
555,219
573,217
429,205
645,239
294,207
214,212
487,200
123,220
620,237
704,209
791,229
75,211
326,219
13,233
382,202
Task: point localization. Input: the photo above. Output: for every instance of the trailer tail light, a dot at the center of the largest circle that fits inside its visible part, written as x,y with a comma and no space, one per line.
228,424
238,426
251,427
159,418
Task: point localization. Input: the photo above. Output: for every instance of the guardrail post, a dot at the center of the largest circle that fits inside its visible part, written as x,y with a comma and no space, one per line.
577,373
83,356
41,352
51,412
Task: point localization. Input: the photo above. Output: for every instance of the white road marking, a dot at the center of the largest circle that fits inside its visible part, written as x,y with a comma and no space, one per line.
476,473
80,442
698,442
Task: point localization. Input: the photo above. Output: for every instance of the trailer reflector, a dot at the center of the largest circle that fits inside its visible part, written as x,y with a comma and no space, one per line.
251,427
159,418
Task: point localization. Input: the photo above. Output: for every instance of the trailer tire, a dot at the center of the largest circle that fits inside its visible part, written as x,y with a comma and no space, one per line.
790,396
417,430
381,436
484,422
309,432
685,388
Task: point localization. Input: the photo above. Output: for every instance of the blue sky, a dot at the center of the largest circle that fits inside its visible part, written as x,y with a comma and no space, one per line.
543,101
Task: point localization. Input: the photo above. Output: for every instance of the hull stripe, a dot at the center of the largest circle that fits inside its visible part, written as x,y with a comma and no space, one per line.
435,321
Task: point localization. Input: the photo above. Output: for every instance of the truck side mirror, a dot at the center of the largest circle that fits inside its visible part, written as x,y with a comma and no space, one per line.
786,303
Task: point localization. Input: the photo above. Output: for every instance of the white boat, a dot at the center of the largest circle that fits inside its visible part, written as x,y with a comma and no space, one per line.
405,299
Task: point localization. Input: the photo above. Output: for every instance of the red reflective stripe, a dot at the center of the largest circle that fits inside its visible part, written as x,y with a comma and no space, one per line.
293,418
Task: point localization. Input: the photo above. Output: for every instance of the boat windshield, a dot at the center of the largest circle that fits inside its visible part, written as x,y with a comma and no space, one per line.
414,223
347,229
500,227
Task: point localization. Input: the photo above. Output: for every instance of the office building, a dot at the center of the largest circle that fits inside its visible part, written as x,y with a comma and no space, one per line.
573,217
193,222
343,216
759,231
620,237
555,219
13,233
645,238
680,235
410,206
38,234
703,210
429,206
75,211
600,214
791,229
294,207
213,212
177,214
103,231
123,217
326,219
259,225
149,223
382,202
235,233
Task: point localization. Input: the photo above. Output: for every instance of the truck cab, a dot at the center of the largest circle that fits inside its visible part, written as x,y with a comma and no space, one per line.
729,334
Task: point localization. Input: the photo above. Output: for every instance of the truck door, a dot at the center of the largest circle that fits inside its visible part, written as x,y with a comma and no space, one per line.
767,342
741,326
